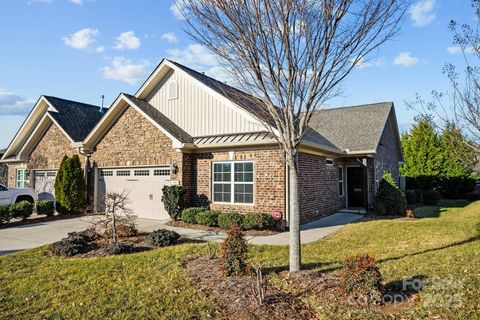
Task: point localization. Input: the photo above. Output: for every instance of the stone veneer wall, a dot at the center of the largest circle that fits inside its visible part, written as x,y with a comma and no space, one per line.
47,154
269,180
318,187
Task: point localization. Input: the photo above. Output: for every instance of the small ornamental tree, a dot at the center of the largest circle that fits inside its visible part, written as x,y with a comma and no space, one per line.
172,199
390,200
70,186
234,252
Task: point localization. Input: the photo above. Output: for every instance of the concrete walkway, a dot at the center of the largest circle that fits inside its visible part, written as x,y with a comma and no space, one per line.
33,235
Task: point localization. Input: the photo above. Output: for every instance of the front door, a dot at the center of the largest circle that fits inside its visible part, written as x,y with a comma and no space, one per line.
355,187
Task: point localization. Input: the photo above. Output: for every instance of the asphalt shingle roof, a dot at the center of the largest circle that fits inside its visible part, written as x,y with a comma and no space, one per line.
161,119
76,119
356,128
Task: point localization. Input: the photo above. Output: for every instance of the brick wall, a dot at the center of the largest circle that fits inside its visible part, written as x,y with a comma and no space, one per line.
318,187
269,180
387,156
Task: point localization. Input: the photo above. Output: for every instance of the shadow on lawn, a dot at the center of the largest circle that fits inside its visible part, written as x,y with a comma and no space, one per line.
436,211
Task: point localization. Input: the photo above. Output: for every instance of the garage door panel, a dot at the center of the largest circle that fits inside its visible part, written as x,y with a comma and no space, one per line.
45,184
143,186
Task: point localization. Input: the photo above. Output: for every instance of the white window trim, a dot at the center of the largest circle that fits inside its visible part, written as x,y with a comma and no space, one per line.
170,84
232,183
342,181
25,179
329,164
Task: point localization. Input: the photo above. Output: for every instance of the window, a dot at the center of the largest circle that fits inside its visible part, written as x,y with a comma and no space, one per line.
141,172
172,90
161,172
233,182
106,173
39,174
22,180
340,181
329,162
123,173
51,174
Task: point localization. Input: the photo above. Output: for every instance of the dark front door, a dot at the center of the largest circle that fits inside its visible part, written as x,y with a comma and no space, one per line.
355,187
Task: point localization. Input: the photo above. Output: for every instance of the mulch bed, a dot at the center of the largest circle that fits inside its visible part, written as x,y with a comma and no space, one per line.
235,296
252,233
39,219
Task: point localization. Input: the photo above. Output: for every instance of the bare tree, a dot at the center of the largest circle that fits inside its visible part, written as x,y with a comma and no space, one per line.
117,219
293,55
459,107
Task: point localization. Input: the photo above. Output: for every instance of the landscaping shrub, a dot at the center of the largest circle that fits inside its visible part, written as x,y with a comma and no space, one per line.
225,220
45,207
456,187
4,214
124,225
361,279
473,196
75,243
411,197
258,221
234,252
208,218
70,186
120,248
21,210
390,200
172,199
89,234
162,237
189,215
430,197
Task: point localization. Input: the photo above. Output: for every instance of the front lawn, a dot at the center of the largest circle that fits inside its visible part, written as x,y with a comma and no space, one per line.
441,246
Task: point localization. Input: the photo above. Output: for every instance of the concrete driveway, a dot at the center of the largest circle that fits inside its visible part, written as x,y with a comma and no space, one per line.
36,234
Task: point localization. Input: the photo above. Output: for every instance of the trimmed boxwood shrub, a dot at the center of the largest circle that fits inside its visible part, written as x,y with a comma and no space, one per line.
390,200
361,279
4,214
75,243
225,220
120,248
258,221
189,215
162,237
208,218
21,210
431,197
45,207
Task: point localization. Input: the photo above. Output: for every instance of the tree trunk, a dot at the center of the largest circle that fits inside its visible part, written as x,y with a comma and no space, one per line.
294,221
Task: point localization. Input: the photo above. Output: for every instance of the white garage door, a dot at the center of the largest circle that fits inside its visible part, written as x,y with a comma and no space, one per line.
143,186
45,184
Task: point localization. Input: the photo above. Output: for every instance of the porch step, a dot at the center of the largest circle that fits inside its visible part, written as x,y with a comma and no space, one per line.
356,211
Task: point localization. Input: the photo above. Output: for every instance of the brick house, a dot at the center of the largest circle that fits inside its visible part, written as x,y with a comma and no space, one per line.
182,127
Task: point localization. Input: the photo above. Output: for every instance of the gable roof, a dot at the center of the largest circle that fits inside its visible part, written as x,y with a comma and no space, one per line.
77,119
161,119
354,129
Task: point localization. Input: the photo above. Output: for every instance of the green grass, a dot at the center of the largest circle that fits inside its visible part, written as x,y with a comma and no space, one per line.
444,243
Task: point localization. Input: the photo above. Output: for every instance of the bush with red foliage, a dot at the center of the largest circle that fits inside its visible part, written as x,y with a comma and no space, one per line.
234,252
362,280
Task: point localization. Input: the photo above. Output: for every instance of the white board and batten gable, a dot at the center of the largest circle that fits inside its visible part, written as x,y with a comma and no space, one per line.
196,108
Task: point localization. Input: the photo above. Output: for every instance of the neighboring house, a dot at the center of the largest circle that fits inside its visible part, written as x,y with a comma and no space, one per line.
54,128
185,128
3,169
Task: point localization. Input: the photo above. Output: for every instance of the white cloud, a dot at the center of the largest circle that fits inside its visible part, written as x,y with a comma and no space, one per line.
422,13
14,104
100,49
127,40
199,58
362,63
79,2
170,37
175,10
458,50
405,59
123,69
81,39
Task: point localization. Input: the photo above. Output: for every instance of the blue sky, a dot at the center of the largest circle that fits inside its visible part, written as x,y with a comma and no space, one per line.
81,49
